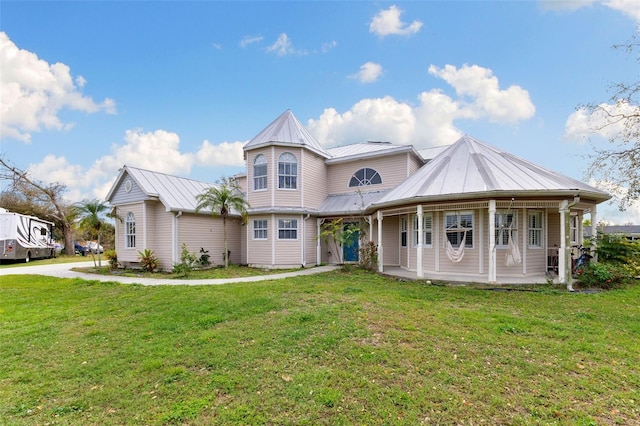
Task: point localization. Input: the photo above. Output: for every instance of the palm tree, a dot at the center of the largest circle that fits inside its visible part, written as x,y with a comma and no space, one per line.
91,213
221,198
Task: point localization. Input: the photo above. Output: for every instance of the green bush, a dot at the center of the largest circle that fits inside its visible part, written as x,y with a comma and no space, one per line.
369,256
602,275
148,260
187,262
112,256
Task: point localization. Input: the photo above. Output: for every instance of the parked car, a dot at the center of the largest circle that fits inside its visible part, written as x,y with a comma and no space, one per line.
80,249
93,246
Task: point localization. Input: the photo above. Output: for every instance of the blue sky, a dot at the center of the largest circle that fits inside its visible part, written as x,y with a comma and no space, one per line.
179,87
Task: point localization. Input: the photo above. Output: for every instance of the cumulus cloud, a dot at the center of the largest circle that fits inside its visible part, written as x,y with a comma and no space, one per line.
369,73
250,39
34,92
609,213
430,122
223,154
284,47
603,121
387,22
631,8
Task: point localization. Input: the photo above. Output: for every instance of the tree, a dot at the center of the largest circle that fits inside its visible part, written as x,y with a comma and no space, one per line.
221,199
91,215
618,163
47,195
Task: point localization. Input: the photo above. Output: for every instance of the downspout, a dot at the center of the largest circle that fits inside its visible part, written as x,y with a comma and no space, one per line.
380,248
564,254
304,240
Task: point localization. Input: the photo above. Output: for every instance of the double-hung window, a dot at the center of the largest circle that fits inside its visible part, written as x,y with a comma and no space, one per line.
130,230
458,227
403,231
287,171
260,173
260,229
535,229
427,229
506,225
287,229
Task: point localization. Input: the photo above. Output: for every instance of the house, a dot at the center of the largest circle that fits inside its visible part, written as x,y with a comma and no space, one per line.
468,211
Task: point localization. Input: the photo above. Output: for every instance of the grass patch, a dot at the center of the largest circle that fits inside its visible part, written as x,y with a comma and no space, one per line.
217,272
332,348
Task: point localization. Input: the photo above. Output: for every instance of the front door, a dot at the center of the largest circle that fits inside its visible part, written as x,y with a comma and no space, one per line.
351,249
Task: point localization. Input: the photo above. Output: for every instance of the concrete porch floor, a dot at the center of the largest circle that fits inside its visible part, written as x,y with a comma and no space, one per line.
402,273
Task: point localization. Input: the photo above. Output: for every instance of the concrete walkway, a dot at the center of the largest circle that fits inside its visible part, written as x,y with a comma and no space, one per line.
63,270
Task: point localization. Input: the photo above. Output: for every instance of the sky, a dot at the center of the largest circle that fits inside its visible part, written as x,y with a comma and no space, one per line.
179,87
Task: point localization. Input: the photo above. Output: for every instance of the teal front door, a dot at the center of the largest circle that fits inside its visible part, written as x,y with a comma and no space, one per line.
351,250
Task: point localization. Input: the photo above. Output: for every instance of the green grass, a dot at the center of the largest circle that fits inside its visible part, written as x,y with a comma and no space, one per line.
216,272
329,349
52,261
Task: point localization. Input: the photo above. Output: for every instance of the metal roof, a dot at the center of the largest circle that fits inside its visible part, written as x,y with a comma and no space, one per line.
288,131
351,203
175,193
472,169
358,151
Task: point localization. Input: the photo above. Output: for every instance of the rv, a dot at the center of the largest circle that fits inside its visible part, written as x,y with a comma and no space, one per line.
24,237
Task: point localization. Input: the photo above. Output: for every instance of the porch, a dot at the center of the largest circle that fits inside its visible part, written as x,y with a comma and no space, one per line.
406,274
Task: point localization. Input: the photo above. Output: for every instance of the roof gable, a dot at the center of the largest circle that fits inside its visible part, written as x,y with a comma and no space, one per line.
472,168
288,131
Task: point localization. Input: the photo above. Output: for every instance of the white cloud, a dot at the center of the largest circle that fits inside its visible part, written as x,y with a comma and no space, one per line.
250,39
630,8
387,22
283,47
369,72
602,122
34,92
432,121
487,99
224,154
609,213
54,169
328,46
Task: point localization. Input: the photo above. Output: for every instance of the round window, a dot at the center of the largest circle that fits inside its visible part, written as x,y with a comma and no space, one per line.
127,186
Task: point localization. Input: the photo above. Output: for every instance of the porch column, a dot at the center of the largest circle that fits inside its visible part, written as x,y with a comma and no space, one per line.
380,249
564,254
318,245
420,242
594,233
492,242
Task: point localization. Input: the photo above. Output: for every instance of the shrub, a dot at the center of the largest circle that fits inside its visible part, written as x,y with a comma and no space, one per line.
112,256
187,262
602,275
369,256
204,257
148,260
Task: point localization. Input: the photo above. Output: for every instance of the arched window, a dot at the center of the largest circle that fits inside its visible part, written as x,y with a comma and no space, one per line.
364,177
287,171
130,231
260,173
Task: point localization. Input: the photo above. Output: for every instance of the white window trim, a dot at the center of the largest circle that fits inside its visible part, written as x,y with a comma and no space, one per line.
287,175
265,176
265,229
129,237
540,230
472,229
503,242
288,229
425,230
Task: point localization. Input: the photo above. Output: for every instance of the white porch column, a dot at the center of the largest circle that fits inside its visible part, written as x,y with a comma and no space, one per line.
492,242
594,233
380,249
318,245
420,242
564,254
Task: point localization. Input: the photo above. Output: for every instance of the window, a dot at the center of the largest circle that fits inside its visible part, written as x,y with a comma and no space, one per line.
535,229
574,229
260,173
426,229
287,171
287,229
403,231
130,231
506,223
260,229
458,227
364,177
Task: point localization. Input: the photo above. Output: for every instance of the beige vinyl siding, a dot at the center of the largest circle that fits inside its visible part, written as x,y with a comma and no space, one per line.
391,240
129,254
288,252
260,250
203,231
536,256
314,178
160,235
392,170
310,243
501,251
242,183
414,164
288,197
469,265
261,198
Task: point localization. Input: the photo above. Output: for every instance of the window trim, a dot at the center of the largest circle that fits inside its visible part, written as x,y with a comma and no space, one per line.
263,177
426,230
460,230
538,230
291,229
500,217
404,228
260,230
288,171
355,181
130,231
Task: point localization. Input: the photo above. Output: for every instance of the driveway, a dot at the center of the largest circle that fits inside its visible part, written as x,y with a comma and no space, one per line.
63,270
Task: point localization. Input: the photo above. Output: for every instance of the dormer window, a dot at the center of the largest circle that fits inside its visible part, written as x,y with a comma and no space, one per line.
364,177
260,173
287,171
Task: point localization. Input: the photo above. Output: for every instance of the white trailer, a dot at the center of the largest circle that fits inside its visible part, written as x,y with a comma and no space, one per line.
24,237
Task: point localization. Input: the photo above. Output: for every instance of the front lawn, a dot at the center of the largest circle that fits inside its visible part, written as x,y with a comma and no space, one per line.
335,348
